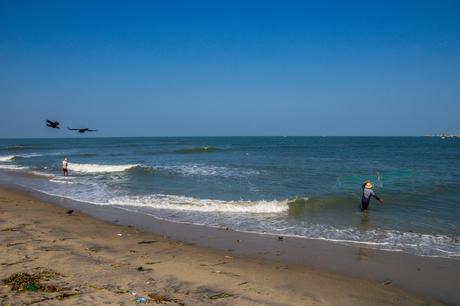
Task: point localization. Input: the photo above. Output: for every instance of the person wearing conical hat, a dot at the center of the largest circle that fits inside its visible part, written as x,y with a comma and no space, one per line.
367,194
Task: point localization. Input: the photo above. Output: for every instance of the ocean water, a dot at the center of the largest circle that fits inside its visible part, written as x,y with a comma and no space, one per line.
294,186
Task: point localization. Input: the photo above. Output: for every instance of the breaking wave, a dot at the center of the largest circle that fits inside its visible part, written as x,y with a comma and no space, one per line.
7,158
97,168
161,201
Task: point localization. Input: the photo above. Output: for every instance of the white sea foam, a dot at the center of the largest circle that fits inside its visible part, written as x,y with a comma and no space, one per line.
28,155
61,181
10,158
43,174
12,167
204,170
7,158
97,168
182,203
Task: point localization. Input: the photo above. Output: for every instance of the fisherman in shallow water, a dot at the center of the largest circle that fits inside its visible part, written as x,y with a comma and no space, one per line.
65,165
367,194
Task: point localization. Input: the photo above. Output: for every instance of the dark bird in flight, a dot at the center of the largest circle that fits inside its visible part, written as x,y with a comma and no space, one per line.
52,124
82,130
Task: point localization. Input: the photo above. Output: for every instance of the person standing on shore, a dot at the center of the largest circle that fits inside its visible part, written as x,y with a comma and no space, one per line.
367,194
65,165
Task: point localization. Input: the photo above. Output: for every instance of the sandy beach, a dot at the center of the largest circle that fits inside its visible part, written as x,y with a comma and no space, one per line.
80,260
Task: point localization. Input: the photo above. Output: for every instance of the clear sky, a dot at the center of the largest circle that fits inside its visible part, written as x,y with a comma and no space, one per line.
186,68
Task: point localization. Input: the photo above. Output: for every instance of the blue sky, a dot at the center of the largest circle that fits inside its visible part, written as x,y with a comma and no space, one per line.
185,68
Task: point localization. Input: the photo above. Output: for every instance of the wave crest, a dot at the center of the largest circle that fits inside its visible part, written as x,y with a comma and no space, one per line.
161,201
97,168
7,158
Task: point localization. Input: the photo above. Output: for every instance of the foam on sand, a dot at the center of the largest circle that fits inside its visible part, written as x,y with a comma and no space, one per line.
161,201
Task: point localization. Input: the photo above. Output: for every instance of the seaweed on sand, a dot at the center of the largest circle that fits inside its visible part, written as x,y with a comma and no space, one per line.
31,282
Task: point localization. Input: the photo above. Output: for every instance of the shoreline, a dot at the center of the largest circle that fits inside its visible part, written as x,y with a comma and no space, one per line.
426,276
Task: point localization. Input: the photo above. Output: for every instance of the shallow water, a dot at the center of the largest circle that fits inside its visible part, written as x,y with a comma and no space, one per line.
302,186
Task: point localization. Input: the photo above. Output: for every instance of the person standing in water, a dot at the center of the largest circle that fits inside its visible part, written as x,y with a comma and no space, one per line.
65,164
367,194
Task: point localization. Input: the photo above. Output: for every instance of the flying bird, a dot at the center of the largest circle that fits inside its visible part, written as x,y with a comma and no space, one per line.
82,130
52,124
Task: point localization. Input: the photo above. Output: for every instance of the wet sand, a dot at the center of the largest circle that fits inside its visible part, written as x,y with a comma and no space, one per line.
96,262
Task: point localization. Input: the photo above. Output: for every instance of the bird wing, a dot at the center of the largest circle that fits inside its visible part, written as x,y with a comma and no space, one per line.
90,130
49,121
70,129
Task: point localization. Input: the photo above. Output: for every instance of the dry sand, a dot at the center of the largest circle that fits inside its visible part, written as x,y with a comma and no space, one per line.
92,262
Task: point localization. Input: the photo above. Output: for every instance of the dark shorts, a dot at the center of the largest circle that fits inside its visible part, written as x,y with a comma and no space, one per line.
364,204
64,169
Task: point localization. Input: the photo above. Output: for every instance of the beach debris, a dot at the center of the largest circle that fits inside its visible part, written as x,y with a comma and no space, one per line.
141,299
220,296
238,240
52,288
147,241
119,234
216,264
9,229
132,251
95,250
19,281
229,257
386,283
158,298
121,291
13,244
243,283
16,262
31,282
119,265
141,269
133,293
65,295
31,287
285,267
280,237
69,212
